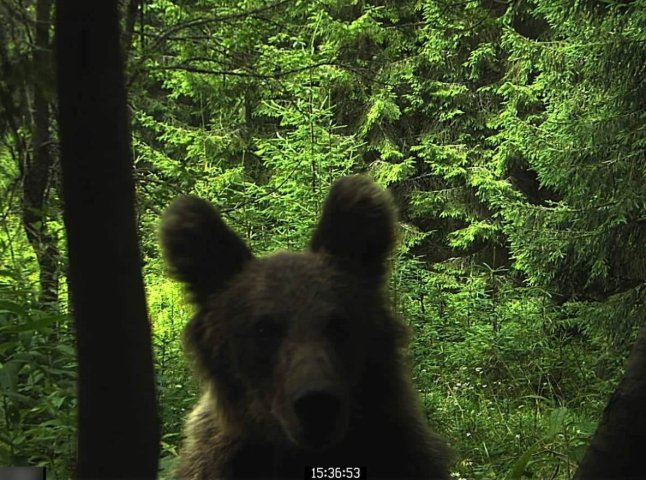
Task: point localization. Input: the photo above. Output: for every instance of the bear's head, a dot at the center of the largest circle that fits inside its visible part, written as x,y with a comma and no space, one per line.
288,341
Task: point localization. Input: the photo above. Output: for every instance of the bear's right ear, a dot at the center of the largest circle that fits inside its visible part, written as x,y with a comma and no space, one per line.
200,249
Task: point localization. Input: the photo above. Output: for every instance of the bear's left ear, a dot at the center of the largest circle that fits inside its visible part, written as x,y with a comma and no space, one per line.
200,249
357,227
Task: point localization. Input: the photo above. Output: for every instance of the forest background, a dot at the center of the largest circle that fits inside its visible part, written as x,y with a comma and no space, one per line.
511,134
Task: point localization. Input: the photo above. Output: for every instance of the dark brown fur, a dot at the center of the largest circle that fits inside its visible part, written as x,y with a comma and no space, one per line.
301,354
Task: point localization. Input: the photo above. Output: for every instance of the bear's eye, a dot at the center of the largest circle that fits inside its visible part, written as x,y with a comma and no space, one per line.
337,327
267,330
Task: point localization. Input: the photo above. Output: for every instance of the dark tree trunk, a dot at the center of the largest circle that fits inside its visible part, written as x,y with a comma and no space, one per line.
38,165
618,448
133,8
118,429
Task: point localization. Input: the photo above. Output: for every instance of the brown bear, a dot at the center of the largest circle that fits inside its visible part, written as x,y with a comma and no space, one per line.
301,354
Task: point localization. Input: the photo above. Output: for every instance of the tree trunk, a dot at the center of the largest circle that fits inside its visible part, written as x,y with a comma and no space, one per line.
133,8
618,447
38,165
118,428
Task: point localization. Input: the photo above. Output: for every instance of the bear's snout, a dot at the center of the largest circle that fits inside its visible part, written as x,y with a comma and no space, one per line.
314,408
319,412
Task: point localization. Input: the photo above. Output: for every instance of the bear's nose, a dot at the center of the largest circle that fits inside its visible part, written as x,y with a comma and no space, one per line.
318,411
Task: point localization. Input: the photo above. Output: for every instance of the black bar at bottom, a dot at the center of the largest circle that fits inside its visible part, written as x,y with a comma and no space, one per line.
23,473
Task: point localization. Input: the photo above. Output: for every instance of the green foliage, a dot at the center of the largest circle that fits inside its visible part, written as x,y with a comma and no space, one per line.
37,383
492,368
176,389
